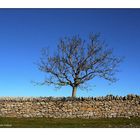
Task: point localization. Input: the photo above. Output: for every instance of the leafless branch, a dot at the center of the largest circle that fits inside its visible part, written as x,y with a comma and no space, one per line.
77,61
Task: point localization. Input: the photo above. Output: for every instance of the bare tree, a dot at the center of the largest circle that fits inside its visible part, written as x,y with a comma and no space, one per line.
77,61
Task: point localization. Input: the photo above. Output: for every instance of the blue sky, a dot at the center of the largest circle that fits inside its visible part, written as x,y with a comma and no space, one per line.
23,32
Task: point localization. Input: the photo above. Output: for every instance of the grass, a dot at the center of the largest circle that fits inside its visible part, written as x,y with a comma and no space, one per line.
69,123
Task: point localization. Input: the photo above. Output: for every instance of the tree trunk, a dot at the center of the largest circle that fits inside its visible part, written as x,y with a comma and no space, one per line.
74,91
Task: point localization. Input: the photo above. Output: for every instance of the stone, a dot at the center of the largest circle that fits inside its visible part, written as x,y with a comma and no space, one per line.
100,107
26,116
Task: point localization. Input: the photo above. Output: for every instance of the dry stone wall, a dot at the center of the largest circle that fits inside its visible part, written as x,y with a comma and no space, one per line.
99,107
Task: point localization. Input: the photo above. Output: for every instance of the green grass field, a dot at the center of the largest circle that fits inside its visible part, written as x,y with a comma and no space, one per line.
69,123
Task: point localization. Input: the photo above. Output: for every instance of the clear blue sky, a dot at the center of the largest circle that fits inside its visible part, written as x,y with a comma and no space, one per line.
23,32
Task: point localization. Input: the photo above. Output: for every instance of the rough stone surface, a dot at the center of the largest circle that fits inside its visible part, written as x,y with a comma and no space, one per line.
99,107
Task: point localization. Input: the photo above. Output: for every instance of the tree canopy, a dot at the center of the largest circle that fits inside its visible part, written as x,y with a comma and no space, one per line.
77,61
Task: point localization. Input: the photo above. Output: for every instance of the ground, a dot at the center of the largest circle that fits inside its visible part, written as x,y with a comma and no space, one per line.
69,123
